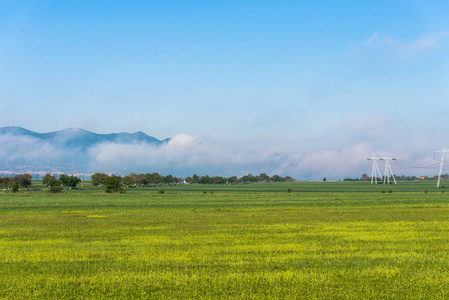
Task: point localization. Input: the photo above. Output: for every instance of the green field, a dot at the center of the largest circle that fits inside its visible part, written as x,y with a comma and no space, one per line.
324,240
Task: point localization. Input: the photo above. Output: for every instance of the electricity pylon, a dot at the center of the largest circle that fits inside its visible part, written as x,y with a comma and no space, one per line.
388,171
441,164
375,170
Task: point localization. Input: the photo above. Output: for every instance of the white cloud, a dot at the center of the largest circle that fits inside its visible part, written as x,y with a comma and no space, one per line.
22,150
188,153
424,43
185,155
182,150
373,40
182,141
334,163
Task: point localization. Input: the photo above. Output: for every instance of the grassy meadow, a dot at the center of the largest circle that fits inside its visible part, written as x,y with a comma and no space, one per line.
324,240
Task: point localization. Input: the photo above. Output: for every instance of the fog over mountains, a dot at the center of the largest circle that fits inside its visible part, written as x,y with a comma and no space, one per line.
77,151
69,150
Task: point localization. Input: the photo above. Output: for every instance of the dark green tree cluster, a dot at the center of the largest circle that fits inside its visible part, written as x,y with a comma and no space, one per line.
410,178
70,181
155,179
149,179
55,185
14,182
6,182
112,183
352,179
50,181
97,179
23,180
365,177
263,177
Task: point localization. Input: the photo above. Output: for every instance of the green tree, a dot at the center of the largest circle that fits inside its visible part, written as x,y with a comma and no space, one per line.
51,181
205,180
218,180
97,179
168,179
113,184
23,180
263,177
63,178
73,181
46,179
248,178
15,187
154,178
233,180
128,180
69,181
195,178
6,182
277,178
141,180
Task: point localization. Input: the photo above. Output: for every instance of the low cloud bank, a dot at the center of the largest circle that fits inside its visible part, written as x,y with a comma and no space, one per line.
27,150
189,155
185,155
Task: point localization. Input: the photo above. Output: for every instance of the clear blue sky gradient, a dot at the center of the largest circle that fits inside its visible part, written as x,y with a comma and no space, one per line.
300,76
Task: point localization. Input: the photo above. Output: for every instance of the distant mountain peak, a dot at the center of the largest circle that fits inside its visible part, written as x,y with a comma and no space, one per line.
68,150
81,138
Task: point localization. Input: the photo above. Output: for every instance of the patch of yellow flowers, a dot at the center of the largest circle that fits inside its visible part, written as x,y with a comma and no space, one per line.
82,212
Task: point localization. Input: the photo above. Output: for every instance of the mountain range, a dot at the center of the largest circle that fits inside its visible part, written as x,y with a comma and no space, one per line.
80,138
69,150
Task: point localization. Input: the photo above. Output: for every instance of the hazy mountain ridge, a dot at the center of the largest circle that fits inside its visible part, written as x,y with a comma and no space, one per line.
80,138
69,150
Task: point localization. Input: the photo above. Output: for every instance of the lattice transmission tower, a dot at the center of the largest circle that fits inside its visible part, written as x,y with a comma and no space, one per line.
375,171
443,150
388,170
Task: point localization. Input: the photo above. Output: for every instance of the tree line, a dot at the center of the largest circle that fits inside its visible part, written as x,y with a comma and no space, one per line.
118,184
14,182
155,179
365,177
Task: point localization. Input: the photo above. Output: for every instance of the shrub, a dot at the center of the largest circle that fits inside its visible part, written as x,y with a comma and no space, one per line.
383,191
161,192
289,190
426,191
390,191
113,184
15,187
55,189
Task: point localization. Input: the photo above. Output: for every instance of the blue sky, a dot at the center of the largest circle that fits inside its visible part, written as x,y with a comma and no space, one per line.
316,81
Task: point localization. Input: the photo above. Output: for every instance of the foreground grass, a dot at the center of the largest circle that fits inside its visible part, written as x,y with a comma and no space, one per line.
323,245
